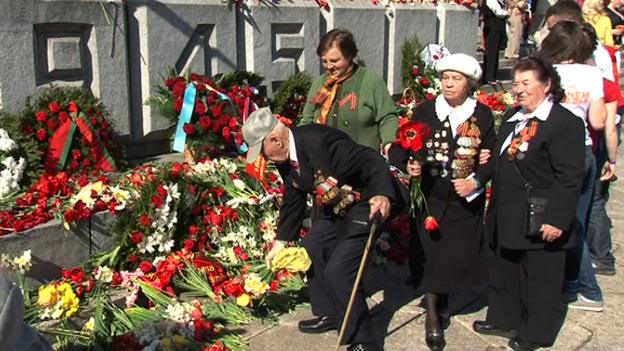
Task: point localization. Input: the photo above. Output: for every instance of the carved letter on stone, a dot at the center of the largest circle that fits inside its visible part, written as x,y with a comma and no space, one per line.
287,43
62,53
203,38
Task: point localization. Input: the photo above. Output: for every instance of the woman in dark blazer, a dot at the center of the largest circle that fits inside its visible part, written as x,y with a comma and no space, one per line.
449,259
539,143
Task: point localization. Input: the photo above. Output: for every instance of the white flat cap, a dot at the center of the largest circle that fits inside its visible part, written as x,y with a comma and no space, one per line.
462,63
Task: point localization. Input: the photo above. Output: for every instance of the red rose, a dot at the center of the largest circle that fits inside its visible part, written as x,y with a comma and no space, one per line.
54,107
76,154
431,224
137,237
52,124
200,108
41,116
146,267
72,107
145,220
63,116
42,135
76,275
194,230
189,245
157,201
429,97
189,129
133,259
177,105
425,82
205,123
415,72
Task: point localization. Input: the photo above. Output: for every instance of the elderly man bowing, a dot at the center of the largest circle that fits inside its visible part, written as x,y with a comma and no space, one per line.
351,185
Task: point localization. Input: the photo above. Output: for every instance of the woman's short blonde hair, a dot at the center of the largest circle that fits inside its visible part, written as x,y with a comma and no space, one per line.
593,8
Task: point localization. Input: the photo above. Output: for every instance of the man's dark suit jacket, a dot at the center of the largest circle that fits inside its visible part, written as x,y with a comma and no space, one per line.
333,153
555,164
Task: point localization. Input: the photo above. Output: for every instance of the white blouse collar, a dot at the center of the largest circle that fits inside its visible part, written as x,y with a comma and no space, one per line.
457,115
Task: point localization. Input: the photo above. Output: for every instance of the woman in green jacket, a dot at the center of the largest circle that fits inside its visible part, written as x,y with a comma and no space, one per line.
350,97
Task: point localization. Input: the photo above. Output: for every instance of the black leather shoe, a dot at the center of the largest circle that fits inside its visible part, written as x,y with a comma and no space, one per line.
364,347
521,345
483,327
317,325
435,339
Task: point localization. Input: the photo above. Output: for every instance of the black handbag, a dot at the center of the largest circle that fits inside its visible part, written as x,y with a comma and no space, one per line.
536,208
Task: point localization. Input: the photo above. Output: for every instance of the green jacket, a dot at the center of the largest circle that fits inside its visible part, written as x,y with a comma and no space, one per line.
370,120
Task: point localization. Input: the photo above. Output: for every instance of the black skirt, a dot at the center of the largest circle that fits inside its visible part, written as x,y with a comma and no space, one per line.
451,258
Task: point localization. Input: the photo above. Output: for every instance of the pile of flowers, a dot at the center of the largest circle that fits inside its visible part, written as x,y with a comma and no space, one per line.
39,203
218,112
181,231
12,165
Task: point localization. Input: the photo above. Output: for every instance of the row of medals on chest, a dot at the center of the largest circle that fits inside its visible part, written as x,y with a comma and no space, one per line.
437,156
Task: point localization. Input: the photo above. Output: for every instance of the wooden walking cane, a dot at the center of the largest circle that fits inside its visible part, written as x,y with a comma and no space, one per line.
358,278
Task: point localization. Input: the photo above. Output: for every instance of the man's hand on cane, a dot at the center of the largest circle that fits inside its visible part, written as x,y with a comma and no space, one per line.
277,246
379,204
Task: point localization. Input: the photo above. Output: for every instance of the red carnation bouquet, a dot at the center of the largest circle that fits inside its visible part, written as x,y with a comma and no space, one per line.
411,136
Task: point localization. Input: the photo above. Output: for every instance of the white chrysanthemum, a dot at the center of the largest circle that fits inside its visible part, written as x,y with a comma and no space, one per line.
11,175
104,274
203,168
6,143
239,184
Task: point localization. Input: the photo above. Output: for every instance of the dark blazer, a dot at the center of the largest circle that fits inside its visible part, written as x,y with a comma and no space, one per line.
333,153
439,191
616,20
554,163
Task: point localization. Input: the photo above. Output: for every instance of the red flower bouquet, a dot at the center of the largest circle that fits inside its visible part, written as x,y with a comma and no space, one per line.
411,136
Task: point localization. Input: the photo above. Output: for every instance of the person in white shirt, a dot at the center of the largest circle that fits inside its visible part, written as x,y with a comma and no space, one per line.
568,46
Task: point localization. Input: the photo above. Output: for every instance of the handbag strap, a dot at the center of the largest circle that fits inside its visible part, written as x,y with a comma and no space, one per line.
527,184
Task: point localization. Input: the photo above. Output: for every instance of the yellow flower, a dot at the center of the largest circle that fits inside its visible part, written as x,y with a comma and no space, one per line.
231,255
90,325
166,344
48,295
244,300
70,303
293,259
255,285
180,342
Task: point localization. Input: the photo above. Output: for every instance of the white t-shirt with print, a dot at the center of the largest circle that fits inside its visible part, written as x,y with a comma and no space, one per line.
582,84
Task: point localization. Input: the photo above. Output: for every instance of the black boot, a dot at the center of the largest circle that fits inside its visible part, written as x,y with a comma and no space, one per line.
434,334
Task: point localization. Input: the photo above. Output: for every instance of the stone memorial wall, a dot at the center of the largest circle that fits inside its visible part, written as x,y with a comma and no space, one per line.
121,50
